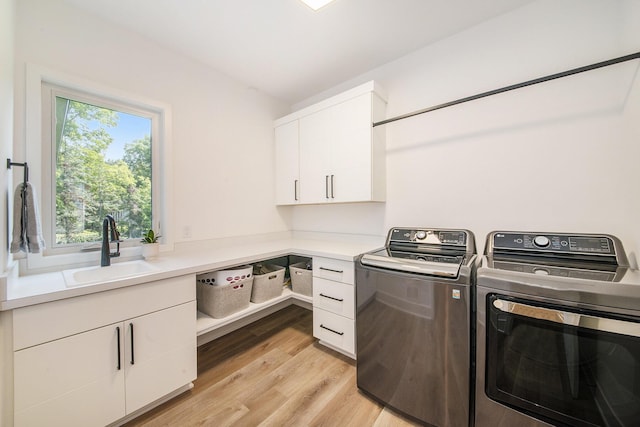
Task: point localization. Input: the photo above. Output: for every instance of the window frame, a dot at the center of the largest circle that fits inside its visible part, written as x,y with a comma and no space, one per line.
49,93
38,152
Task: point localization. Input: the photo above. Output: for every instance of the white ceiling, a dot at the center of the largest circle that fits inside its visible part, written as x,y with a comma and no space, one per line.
287,50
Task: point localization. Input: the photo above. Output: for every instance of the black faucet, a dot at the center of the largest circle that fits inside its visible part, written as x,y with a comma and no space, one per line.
105,258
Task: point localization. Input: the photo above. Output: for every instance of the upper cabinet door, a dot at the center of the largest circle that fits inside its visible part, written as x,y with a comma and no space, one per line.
287,164
351,148
315,157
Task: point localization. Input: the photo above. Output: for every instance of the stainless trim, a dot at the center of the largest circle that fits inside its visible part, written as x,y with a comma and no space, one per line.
569,318
421,267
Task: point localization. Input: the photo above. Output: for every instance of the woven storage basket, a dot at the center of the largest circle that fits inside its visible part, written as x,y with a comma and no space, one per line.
301,278
223,300
268,281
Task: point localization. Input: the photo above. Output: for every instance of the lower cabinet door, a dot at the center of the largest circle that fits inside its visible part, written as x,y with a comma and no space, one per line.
74,381
335,330
160,354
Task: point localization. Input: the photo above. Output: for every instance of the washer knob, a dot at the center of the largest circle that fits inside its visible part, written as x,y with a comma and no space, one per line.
421,234
541,241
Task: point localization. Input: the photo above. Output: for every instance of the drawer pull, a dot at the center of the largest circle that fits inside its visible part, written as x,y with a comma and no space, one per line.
332,270
331,330
333,298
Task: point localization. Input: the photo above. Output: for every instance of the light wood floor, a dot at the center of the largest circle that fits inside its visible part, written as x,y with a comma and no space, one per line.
272,373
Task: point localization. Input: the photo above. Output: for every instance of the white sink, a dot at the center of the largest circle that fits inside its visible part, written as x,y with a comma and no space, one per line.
116,271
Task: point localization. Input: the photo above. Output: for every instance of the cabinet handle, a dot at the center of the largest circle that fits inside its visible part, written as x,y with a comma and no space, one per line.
331,330
333,298
295,190
132,352
332,270
118,333
326,186
332,187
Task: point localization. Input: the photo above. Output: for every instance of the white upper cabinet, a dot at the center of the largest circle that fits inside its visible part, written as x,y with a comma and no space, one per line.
339,156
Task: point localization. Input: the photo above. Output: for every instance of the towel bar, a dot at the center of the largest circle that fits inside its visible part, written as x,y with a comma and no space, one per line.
24,165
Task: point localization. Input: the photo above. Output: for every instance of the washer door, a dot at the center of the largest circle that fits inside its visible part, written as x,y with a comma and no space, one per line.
563,365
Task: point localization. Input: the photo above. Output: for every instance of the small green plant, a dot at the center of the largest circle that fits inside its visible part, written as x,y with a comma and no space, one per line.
150,237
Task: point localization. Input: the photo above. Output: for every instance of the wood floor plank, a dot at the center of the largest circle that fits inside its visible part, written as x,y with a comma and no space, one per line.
348,408
222,401
272,373
308,396
225,360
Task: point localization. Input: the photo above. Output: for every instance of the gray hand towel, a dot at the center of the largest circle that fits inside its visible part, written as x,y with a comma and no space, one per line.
18,242
27,232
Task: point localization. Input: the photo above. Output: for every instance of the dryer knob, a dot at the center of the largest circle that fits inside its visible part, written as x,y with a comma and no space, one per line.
541,241
421,234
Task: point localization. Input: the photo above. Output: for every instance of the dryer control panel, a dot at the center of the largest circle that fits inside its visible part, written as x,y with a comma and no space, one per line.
554,243
585,256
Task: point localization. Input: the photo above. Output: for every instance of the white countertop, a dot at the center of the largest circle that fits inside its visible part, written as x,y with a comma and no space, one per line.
40,288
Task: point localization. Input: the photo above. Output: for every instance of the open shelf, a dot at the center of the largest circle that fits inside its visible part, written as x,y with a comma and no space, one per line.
206,324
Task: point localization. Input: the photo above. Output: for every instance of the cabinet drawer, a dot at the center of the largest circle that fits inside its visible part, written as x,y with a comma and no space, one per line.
333,296
334,329
41,323
333,269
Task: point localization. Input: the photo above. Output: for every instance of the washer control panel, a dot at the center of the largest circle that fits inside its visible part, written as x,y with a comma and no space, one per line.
556,243
428,236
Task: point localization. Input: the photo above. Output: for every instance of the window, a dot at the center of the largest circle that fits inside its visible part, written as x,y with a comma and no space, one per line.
100,162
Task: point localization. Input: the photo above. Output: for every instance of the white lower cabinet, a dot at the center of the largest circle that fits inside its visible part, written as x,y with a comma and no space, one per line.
334,304
334,297
98,376
336,330
70,382
159,354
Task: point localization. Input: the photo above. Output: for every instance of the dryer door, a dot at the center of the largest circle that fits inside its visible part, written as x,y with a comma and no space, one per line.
563,365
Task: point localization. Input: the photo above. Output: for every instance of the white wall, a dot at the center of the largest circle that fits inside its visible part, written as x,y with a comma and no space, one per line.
222,130
7,9
561,156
